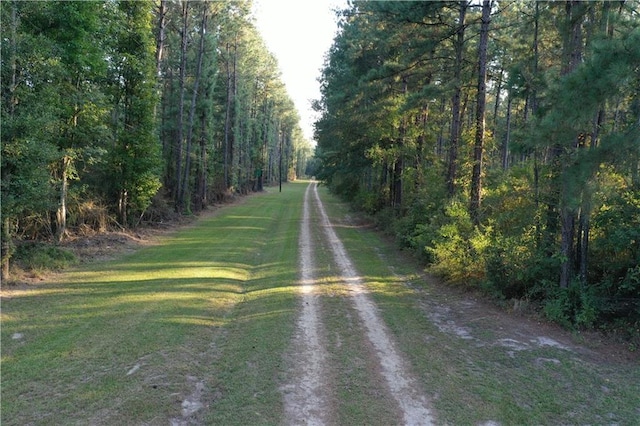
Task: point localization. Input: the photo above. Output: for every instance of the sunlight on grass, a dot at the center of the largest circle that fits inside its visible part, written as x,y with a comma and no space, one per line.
390,286
244,228
35,292
250,217
274,291
211,299
264,316
158,297
208,322
140,272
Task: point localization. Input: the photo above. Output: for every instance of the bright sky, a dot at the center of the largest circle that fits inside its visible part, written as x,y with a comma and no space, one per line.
299,33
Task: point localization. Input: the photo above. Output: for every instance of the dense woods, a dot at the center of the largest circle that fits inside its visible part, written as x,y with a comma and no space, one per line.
121,112
500,141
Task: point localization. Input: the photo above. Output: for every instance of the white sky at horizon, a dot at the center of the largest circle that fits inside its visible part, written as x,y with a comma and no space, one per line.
299,33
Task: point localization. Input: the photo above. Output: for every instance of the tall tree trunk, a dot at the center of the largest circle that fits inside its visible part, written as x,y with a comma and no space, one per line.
162,25
584,227
229,118
13,58
536,57
455,103
573,57
478,148
280,161
234,109
201,181
441,140
498,94
61,212
179,201
263,148
422,121
507,137
66,164
534,112
584,215
7,247
398,166
167,136
123,203
567,232
192,110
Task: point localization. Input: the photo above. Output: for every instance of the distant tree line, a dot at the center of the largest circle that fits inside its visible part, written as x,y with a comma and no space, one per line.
120,112
498,140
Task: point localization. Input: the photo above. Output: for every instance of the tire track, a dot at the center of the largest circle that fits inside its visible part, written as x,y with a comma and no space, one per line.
305,400
401,384
307,395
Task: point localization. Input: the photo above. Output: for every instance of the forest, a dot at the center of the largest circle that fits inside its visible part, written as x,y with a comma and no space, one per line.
499,141
121,113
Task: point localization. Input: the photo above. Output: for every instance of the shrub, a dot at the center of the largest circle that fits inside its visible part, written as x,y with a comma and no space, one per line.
369,202
614,260
88,216
40,257
577,305
458,250
419,228
515,263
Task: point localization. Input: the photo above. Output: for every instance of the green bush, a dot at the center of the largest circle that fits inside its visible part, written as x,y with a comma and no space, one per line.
614,261
422,242
577,305
418,228
557,309
369,202
459,248
514,264
42,257
512,255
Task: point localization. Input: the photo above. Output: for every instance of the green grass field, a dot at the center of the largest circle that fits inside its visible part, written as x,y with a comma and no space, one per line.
201,324
123,342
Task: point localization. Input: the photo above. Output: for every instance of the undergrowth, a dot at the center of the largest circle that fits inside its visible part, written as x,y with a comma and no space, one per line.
39,257
514,254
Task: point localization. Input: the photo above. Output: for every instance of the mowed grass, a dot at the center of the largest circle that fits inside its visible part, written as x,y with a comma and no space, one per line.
198,328
472,379
193,327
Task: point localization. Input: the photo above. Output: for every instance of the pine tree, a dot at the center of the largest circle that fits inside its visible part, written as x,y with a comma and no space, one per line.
135,158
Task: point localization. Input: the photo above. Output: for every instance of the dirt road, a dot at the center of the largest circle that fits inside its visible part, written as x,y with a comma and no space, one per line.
275,311
306,400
